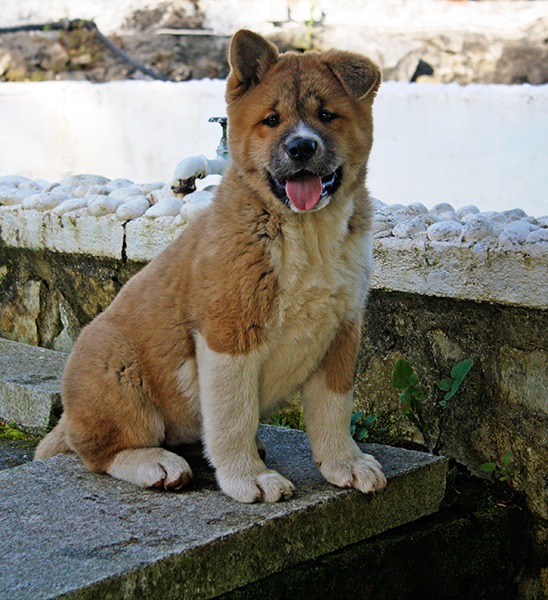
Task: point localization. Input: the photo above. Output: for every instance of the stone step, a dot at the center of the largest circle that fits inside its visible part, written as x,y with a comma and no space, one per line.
30,385
67,532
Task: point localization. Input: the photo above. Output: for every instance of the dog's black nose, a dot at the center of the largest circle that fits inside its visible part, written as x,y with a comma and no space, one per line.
301,149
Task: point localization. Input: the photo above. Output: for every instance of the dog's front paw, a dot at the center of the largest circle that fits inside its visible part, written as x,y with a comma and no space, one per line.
361,471
267,486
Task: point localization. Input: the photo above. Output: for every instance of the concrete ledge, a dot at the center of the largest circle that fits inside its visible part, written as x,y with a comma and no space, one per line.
30,384
66,532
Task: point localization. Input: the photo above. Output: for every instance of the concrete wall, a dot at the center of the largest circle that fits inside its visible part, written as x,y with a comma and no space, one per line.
481,145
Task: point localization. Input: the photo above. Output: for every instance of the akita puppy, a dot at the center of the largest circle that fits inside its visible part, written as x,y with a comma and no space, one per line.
261,295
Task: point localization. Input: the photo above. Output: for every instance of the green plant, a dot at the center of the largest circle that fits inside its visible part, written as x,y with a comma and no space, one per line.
363,428
413,397
9,431
502,471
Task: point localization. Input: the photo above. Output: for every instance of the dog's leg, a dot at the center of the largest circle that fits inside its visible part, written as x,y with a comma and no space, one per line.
230,410
327,401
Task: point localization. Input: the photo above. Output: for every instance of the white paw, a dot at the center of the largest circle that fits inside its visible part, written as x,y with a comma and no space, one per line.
361,471
151,467
268,486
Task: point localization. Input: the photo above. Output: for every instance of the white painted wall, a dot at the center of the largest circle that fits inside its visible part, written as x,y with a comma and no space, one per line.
482,145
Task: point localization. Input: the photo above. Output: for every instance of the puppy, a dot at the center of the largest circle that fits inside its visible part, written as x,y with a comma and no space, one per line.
260,296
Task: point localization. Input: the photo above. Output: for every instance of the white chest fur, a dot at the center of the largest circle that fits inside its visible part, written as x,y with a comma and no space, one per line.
323,274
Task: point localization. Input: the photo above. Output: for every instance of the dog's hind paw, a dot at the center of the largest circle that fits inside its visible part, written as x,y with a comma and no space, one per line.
151,467
268,486
362,472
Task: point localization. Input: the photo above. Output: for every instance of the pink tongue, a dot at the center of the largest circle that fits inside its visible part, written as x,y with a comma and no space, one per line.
304,191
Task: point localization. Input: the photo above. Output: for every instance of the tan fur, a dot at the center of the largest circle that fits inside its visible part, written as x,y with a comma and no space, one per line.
252,301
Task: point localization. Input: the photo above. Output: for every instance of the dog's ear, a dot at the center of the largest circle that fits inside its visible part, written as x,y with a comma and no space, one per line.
250,57
358,75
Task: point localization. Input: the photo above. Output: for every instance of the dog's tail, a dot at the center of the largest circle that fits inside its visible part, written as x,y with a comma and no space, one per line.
54,443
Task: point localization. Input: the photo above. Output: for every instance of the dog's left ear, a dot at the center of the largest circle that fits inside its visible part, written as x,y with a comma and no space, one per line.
250,57
358,75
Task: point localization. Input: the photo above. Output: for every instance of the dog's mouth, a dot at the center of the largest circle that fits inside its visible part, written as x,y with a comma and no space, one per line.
304,191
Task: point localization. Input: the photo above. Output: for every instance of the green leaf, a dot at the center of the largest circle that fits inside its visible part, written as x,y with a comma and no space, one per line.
488,467
356,416
363,434
413,380
370,420
417,393
401,374
445,384
460,370
507,458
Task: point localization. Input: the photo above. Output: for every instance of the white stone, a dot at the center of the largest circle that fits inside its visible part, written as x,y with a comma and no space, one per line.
167,207
160,194
118,183
450,215
132,209
412,227
69,205
418,208
476,229
146,188
102,205
31,185
101,190
443,207
14,196
126,192
45,201
197,203
444,231
467,210
514,214
516,234
85,179
538,235
13,180
543,221
383,223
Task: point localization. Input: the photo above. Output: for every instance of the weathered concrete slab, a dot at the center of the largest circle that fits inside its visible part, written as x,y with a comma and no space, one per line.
66,532
30,384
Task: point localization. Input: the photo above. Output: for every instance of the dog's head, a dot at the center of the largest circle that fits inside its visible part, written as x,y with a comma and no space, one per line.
300,125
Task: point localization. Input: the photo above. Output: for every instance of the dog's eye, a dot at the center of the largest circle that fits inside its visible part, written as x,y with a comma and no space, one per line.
326,115
272,120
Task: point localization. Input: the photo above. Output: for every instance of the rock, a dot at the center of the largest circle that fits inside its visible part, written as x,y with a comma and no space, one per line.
84,180
167,207
125,192
11,196
70,204
45,201
412,227
133,208
467,210
538,235
476,229
516,234
54,58
102,205
444,231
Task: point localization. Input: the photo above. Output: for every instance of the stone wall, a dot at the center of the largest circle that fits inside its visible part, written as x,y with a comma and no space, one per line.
449,285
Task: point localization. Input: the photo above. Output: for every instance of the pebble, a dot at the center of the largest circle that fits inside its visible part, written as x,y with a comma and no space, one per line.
197,203
167,207
99,205
10,196
126,192
70,204
477,228
45,201
126,200
133,208
516,234
444,231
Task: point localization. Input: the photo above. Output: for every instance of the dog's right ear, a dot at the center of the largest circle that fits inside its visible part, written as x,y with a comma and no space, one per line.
250,57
